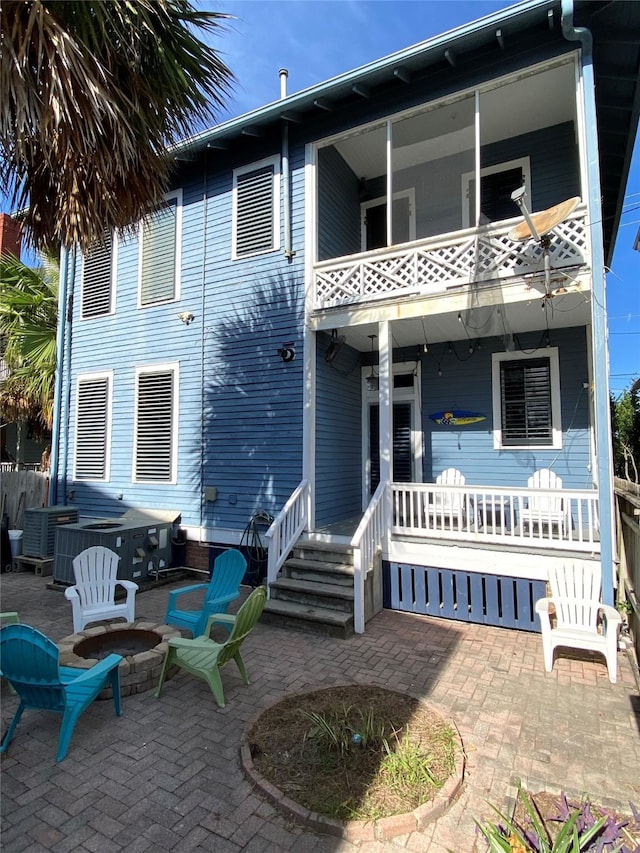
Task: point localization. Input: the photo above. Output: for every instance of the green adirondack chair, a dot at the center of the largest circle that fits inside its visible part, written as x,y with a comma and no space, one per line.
204,658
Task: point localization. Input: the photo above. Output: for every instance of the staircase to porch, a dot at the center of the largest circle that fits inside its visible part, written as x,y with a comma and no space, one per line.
314,590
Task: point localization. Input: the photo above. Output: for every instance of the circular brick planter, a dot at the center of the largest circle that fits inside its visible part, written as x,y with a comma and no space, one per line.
138,672
382,829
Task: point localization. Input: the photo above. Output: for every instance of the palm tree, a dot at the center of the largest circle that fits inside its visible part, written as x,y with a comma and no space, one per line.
92,95
28,318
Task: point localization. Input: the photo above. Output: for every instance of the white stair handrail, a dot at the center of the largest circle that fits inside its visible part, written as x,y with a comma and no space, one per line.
366,542
286,529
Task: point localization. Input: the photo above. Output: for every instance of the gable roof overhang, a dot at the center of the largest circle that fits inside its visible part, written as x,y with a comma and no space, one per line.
613,24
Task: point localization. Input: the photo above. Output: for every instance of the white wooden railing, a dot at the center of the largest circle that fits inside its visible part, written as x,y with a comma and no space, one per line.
559,519
286,528
432,265
366,543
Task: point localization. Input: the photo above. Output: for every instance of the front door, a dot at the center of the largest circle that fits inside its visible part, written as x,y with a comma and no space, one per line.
405,426
402,444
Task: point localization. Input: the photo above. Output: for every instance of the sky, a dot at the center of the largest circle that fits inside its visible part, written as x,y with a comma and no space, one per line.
319,39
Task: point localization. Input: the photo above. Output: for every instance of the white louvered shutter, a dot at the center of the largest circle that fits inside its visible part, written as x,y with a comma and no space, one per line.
159,235
92,429
97,279
154,436
255,211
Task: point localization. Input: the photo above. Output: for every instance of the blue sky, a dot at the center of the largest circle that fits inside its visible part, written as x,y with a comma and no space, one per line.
318,39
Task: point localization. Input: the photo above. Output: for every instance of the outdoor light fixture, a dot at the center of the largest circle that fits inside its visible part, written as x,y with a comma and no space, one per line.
334,347
186,317
287,352
372,378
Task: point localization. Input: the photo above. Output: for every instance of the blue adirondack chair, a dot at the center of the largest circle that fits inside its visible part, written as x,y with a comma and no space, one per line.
29,662
224,587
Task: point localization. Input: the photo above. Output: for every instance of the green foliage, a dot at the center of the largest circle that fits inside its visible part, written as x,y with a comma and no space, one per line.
347,728
92,94
406,764
575,830
625,431
28,324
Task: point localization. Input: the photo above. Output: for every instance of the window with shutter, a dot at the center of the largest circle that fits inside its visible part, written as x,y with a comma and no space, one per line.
160,240
93,427
156,417
97,279
256,205
526,400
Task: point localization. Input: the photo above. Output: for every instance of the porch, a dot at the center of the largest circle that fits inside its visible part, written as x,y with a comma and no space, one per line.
504,538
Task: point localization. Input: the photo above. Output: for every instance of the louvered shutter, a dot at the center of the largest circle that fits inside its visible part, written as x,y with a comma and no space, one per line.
525,388
154,436
159,235
92,429
97,279
255,211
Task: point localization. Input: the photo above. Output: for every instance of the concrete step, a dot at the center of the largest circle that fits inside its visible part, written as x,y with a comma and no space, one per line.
319,620
321,572
323,552
309,593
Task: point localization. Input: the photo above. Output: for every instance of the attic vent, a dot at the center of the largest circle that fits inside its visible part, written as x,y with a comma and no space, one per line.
97,279
154,426
255,210
92,428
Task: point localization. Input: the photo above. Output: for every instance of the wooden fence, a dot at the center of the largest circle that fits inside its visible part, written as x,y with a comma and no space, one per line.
22,490
628,534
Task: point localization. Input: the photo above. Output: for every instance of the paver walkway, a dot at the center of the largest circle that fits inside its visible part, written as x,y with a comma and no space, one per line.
166,776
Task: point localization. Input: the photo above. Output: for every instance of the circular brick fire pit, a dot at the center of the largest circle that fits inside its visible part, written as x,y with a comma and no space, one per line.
142,645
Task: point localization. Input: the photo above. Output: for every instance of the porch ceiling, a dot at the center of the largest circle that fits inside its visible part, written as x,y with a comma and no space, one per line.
499,318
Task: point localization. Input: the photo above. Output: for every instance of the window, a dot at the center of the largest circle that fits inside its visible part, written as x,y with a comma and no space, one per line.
155,424
160,252
98,277
256,208
373,218
496,185
93,409
526,400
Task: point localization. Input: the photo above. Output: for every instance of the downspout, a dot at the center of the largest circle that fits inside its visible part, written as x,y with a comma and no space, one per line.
604,467
286,186
56,430
66,408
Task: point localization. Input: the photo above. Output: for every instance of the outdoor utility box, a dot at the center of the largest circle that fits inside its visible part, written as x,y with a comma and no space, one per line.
142,539
39,537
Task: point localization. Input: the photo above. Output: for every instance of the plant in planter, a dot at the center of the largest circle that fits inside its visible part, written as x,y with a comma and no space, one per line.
574,828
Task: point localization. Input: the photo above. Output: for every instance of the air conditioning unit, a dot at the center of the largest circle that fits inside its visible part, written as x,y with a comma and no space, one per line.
40,526
142,540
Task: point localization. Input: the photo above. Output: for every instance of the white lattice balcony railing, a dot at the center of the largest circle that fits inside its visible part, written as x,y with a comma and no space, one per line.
432,265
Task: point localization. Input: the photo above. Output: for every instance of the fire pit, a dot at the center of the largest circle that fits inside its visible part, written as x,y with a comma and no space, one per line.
142,645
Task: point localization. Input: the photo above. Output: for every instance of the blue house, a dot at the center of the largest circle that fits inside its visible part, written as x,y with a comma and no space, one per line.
374,312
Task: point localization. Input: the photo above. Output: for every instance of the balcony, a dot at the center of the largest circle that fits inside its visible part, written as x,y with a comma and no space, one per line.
473,256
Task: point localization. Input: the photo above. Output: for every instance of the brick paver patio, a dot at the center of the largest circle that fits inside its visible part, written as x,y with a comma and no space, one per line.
167,776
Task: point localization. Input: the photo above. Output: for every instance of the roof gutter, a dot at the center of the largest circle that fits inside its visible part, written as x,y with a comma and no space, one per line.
602,420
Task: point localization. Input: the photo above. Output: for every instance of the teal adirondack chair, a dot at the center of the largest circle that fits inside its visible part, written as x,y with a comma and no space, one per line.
204,658
29,662
224,587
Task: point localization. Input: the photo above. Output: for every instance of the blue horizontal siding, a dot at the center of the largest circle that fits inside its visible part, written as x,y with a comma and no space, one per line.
467,385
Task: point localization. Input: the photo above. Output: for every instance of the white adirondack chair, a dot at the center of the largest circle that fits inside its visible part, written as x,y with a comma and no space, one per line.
581,620
93,596
544,510
448,508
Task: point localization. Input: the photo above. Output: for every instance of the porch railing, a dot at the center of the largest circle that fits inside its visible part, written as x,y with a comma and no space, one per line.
561,519
433,265
286,528
366,543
